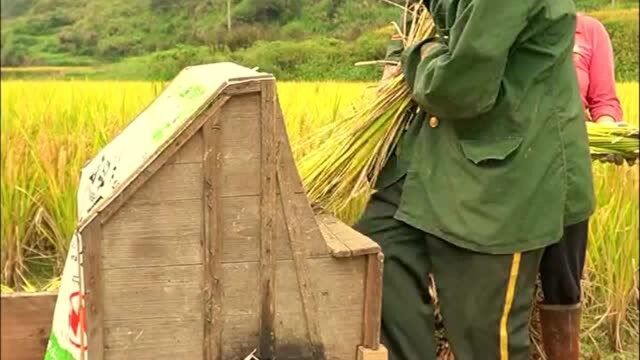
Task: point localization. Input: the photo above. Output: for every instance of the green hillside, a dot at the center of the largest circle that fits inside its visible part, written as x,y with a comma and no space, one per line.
296,39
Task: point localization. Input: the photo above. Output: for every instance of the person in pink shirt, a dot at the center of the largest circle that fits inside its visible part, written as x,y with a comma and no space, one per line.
593,57
562,263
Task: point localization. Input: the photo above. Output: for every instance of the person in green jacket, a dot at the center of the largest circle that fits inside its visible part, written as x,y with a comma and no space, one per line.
493,169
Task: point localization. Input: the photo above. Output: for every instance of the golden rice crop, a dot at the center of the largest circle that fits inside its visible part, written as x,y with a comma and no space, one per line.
345,167
49,130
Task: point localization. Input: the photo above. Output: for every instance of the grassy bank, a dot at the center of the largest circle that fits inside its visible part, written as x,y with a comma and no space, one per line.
322,42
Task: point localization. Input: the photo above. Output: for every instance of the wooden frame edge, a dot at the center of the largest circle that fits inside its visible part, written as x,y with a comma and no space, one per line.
268,155
212,239
373,301
93,294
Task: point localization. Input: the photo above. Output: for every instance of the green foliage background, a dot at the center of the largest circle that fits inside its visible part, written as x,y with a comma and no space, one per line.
294,39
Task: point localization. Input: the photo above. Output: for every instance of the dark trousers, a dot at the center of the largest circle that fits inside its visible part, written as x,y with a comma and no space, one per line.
485,300
562,265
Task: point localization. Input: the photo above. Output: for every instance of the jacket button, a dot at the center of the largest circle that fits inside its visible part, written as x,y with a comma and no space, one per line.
433,122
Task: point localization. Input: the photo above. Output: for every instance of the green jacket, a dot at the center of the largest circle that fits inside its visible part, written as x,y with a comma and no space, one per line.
506,167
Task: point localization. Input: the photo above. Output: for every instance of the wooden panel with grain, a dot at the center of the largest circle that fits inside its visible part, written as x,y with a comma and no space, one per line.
242,86
241,288
169,337
140,251
191,151
337,284
162,155
241,223
213,234
152,292
172,182
240,146
373,301
357,243
268,213
240,336
25,323
293,342
168,201
288,170
340,333
170,218
296,211
335,244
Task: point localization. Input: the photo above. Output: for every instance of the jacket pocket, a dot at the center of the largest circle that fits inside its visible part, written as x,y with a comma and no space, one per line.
481,151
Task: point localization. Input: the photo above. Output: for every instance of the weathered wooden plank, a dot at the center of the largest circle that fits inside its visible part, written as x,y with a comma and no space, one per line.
373,301
268,161
93,289
25,323
241,222
292,342
337,284
242,228
213,238
242,87
168,337
170,218
191,151
241,146
161,157
289,169
137,251
294,211
241,288
172,182
240,336
337,247
356,242
341,333
151,292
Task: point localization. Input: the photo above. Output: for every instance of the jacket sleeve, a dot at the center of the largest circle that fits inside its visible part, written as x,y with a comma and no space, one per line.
460,77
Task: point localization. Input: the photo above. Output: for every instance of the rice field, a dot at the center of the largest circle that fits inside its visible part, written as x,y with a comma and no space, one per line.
50,129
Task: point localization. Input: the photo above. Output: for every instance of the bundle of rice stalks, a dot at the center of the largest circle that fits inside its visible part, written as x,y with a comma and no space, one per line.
341,171
346,165
605,139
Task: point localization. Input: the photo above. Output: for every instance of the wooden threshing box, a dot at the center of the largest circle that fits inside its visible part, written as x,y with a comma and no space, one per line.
211,249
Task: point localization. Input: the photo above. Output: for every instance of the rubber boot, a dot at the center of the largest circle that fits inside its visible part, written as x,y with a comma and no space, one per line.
560,327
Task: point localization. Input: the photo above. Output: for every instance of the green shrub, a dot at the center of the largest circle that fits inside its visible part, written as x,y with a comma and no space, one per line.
252,11
622,26
115,47
243,35
161,65
295,30
13,53
313,59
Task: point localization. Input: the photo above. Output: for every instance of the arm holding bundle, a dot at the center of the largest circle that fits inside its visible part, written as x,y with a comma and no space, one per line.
461,78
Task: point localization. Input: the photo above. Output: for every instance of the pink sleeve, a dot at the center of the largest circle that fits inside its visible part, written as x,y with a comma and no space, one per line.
601,94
